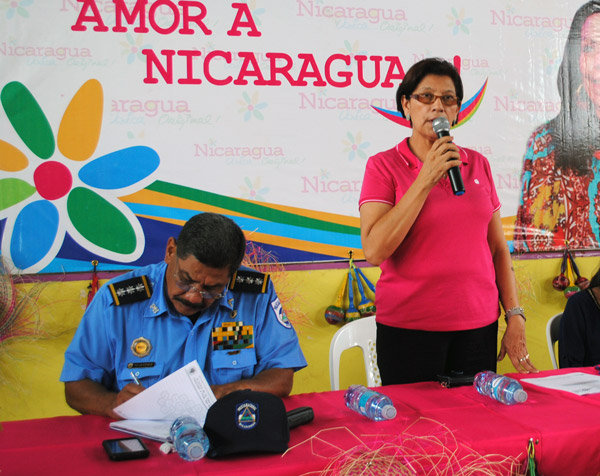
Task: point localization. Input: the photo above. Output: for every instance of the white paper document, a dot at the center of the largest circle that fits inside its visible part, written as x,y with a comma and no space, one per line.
578,383
154,429
151,412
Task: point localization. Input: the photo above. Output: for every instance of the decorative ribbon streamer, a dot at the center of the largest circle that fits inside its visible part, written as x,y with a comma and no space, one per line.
581,282
366,307
93,286
336,313
561,282
352,313
365,279
571,288
531,466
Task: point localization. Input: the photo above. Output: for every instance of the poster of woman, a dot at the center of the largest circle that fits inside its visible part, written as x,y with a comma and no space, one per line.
559,200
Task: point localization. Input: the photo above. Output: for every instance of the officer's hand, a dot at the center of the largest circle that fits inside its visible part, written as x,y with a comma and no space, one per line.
129,391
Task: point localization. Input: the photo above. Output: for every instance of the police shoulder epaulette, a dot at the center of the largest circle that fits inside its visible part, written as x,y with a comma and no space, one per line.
249,281
130,290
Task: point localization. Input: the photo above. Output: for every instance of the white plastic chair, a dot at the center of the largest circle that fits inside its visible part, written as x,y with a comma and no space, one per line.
359,333
552,336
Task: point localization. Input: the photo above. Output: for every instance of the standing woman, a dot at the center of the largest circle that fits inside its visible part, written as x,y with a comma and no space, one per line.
444,259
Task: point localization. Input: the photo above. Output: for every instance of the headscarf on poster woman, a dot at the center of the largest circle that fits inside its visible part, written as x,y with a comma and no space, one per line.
560,199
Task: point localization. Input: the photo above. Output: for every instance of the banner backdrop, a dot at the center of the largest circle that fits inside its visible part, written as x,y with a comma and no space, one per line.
121,119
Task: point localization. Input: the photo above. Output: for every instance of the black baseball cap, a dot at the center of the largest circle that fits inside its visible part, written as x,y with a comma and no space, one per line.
246,421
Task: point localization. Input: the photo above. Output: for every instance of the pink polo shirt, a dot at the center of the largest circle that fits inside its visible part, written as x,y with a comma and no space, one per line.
441,278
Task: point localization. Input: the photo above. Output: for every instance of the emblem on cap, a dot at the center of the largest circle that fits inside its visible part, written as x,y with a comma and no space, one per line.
141,347
246,415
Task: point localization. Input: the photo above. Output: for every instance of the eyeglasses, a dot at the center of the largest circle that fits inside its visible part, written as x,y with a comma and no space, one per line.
191,288
429,98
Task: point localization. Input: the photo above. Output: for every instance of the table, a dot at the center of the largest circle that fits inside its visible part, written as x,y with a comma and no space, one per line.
565,428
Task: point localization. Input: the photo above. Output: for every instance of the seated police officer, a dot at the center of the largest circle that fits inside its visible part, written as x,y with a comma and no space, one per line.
197,305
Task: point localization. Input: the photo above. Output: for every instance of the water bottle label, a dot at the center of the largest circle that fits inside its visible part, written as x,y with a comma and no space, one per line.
496,384
362,401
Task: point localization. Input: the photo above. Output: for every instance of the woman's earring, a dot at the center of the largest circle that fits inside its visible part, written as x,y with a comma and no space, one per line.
408,117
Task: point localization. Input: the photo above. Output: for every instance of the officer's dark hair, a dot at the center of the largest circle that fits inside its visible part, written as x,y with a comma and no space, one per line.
214,240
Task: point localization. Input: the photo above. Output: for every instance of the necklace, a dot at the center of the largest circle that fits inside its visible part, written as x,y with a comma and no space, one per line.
594,298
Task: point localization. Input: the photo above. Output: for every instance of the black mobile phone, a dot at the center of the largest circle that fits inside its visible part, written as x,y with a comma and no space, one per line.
120,449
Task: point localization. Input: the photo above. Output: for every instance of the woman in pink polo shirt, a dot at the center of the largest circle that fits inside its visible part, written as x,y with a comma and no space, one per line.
445,263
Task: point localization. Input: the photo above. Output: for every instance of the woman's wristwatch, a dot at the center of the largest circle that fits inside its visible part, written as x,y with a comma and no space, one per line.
513,311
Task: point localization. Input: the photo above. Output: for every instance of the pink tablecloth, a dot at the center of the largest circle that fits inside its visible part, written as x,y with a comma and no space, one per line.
565,428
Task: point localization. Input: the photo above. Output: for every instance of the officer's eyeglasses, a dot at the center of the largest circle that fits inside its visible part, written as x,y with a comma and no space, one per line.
429,98
188,287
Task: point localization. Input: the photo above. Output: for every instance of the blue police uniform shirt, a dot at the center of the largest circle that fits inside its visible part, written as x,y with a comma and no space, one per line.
237,337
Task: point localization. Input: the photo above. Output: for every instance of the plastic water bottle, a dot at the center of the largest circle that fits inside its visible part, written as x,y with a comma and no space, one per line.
189,438
499,387
372,404
483,382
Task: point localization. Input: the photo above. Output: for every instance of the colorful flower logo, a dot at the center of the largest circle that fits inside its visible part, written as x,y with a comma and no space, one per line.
352,49
550,61
251,107
17,7
253,189
133,48
355,146
47,196
256,12
458,22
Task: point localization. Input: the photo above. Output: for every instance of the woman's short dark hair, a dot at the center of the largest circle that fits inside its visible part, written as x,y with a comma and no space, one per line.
214,240
575,129
427,66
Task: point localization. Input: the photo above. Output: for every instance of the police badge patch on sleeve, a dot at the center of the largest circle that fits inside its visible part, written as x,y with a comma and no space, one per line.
280,313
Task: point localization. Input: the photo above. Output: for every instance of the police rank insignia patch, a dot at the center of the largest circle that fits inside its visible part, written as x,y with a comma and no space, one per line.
246,415
233,335
141,347
130,290
250,281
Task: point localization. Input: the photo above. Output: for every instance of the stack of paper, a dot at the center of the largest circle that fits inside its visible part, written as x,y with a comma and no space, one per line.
151,412
578,383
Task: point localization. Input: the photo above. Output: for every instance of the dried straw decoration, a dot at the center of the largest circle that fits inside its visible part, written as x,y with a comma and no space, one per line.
259,259
19,312
431,450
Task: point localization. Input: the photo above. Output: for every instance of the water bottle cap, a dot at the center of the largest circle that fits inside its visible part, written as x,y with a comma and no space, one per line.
195,450
388,412
520,395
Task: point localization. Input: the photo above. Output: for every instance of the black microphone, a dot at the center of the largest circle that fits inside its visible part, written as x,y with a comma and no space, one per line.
441,127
